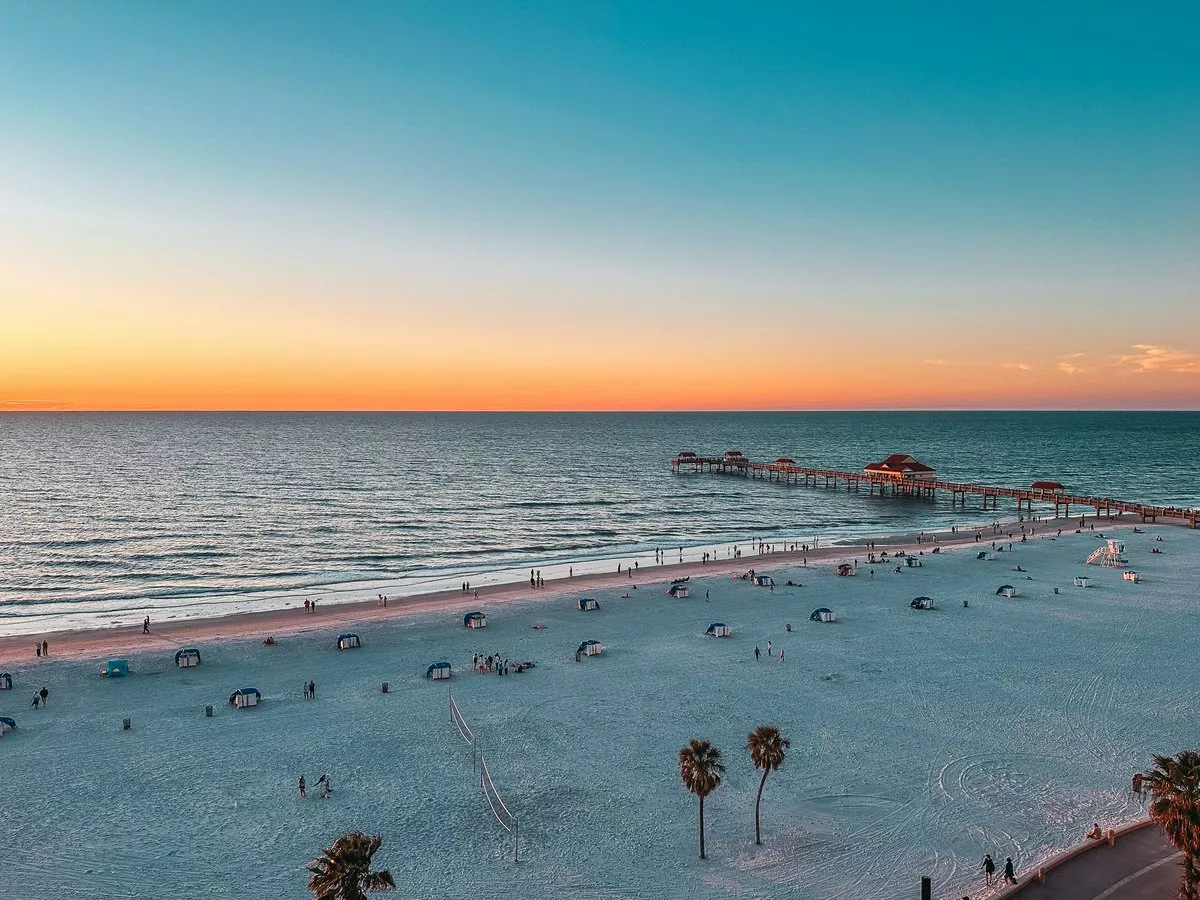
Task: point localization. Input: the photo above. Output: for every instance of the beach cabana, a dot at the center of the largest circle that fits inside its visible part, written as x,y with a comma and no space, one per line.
845,568
719,629
913,562
185,659
475,620
438,670
824,614
245,697
1082,581
1006,590
586,604
116,668
764,581
677,590
5,681
7,724
348,641
1135,577
983,554
922,603
591,648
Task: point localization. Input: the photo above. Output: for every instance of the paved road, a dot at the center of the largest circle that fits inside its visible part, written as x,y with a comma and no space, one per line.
1141,866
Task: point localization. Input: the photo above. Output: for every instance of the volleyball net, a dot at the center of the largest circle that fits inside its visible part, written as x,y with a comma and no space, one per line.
501,812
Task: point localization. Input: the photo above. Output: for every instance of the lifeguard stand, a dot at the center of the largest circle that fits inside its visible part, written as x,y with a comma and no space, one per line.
1109,555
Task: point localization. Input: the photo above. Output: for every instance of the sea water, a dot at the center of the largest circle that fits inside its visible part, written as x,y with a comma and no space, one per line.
106,517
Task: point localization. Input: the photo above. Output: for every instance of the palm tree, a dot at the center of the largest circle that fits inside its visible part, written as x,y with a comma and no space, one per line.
1174,785
701,769
767,750
343,872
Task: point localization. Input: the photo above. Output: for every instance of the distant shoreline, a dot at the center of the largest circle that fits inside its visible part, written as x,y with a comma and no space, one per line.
120,640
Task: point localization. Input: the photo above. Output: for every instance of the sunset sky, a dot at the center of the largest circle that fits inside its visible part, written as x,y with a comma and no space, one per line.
598,205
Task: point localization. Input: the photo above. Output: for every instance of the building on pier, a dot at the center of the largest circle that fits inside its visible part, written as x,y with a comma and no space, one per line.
902,466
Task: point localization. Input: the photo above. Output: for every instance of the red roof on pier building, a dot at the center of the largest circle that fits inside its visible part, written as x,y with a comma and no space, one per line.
901,465
1047,486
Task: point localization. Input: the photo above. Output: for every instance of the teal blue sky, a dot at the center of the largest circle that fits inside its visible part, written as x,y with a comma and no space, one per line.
464,162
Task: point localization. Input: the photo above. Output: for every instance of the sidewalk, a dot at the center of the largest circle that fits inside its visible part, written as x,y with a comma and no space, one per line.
1141,865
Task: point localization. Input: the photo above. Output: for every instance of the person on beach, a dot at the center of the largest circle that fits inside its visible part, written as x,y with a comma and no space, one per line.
146,626
989,869
312,690
45,695
303,788
757,656
1095,834
36,700
1010,876
45,648
781,654
326,786
770,652
706,593
37,648
306,607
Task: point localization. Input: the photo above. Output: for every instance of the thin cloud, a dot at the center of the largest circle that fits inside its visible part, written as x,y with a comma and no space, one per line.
936,362
1153,358
1024,367
1066,365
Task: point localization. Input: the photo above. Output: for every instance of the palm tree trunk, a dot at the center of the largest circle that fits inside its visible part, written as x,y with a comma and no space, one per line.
1189,877
757,804
702,856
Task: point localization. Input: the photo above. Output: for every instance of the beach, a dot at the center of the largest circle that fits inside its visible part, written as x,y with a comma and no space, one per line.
920,738
362,605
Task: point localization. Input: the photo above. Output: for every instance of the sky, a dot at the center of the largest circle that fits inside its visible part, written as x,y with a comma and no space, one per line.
599,205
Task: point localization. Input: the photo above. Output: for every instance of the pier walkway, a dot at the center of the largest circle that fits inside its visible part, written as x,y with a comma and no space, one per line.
788,472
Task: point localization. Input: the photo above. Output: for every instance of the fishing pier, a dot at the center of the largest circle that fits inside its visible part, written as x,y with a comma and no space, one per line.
901,475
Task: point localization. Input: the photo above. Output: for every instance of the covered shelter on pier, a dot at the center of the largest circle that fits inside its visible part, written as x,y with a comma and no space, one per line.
246,697
824,614
348,641
475,620
719,629
1052,487
901,466
438,671
187,658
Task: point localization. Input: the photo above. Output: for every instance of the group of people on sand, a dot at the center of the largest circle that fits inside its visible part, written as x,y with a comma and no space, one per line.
493,663
310,606
310,690
325,783
42,649
989,871
770,650
40,698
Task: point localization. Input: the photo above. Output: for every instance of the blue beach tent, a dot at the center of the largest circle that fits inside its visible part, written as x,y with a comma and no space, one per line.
116,668
244,697
347,641
5,681
823,614
587,603
922,603
6,722
438,670
185,659
475,620
719,629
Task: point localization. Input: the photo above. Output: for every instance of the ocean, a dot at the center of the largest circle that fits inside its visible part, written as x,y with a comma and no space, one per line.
108,517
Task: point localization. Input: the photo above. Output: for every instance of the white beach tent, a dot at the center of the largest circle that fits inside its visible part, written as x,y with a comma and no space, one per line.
719,629
245,697
1082,581
438,670
185,659
591,648
586,604
824,614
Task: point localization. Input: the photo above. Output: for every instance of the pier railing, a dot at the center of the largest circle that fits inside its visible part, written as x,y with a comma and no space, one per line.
791,473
